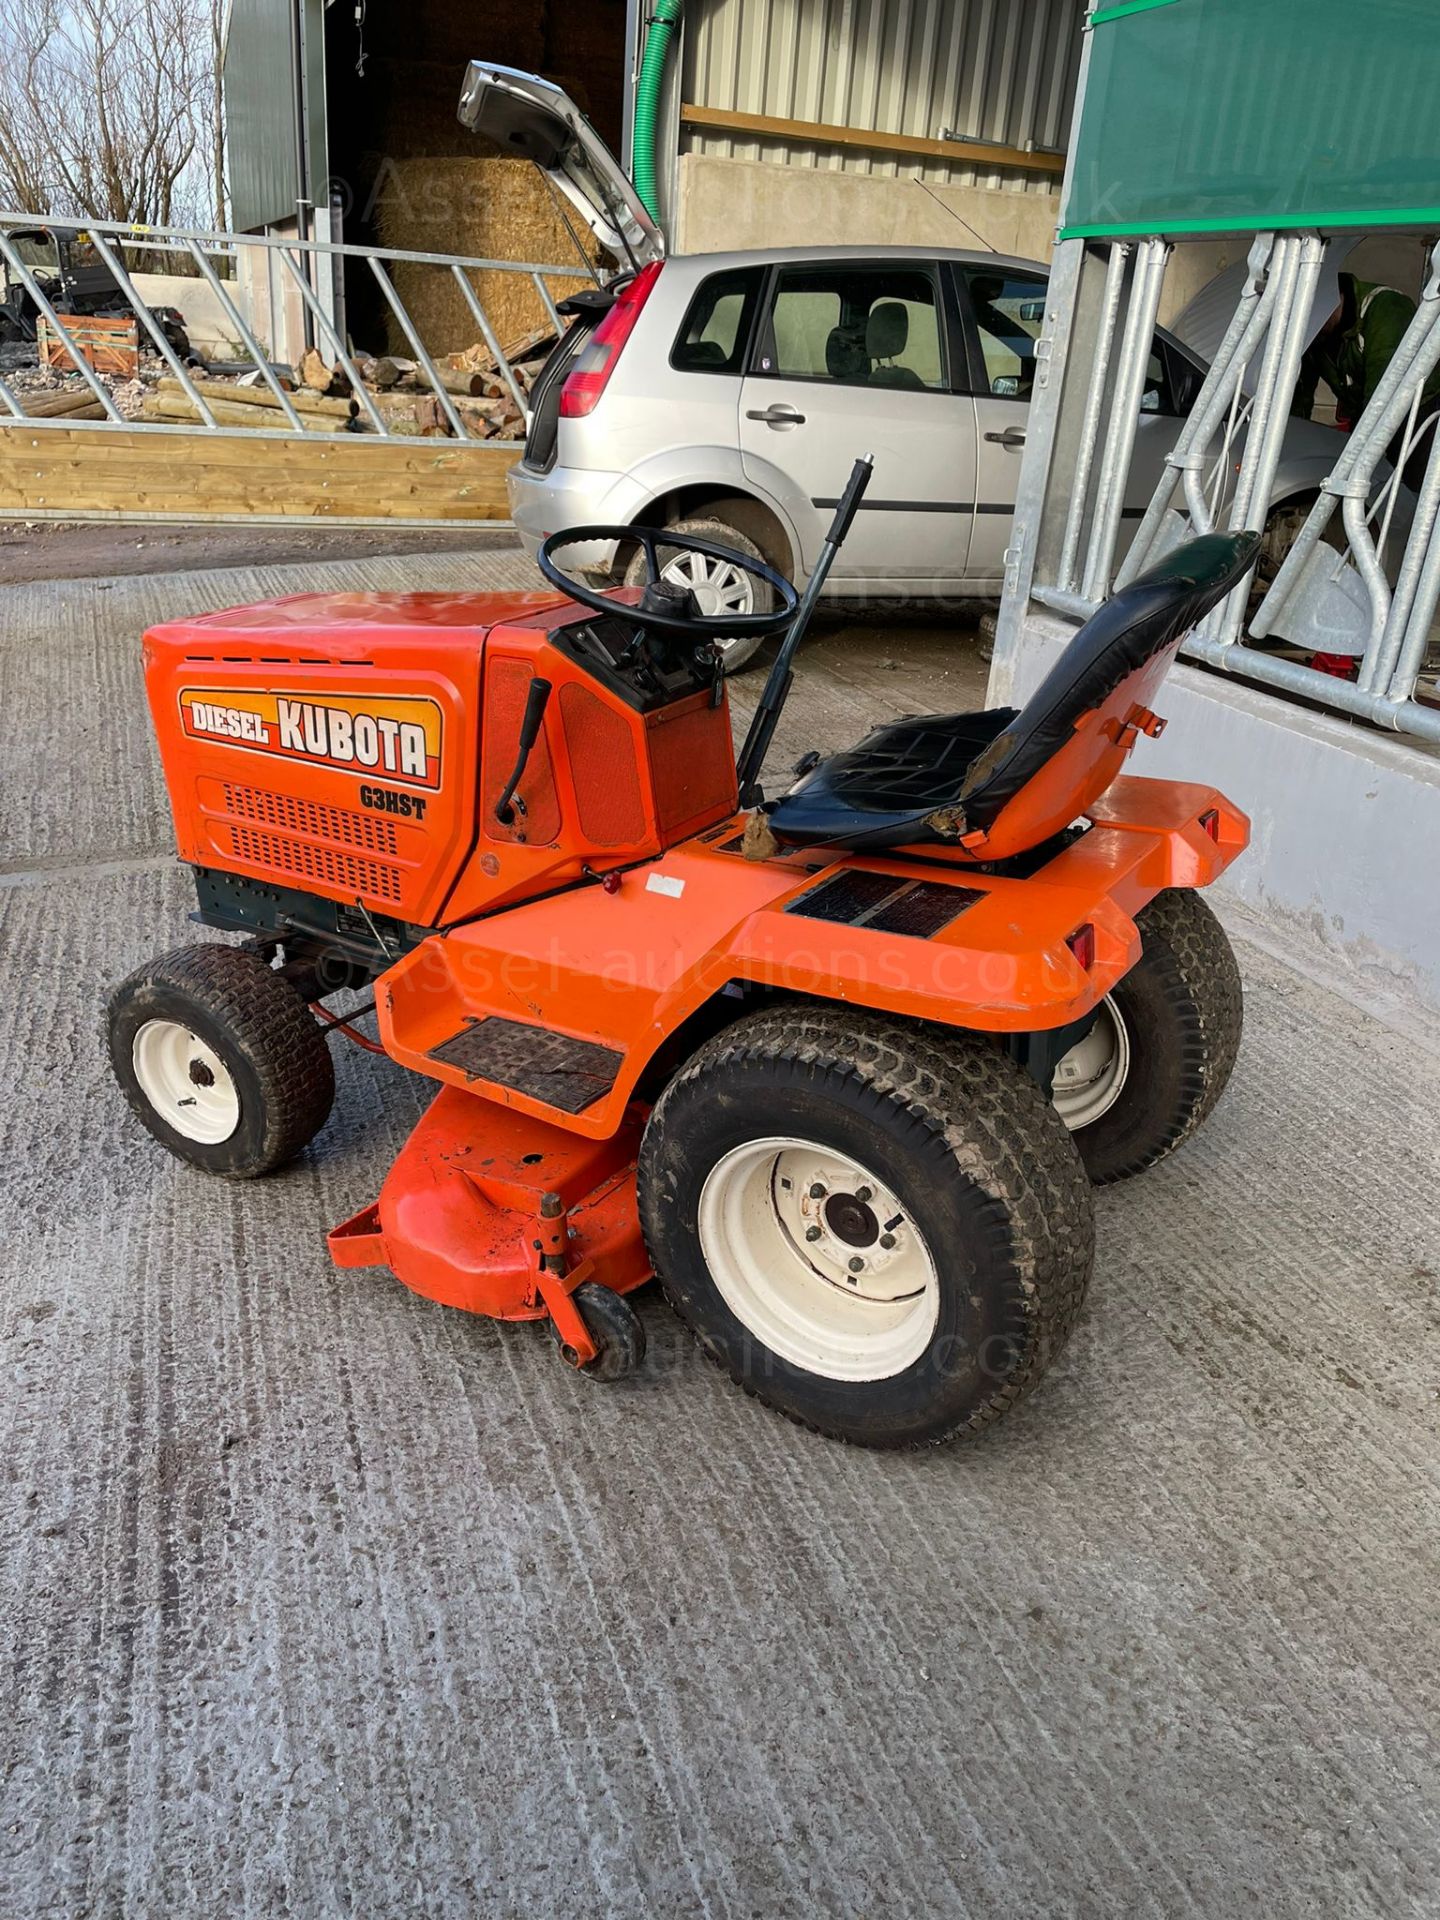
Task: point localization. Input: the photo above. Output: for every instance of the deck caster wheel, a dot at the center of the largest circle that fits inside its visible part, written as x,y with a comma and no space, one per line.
1162,1047
615,1327
880,1229
221,1059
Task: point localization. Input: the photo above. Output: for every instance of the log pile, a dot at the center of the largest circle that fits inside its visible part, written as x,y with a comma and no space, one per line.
398,390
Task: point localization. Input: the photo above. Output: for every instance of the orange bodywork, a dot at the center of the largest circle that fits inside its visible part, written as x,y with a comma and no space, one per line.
627,969
353,746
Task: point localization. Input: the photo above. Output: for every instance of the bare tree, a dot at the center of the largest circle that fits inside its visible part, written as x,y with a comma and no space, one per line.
111,108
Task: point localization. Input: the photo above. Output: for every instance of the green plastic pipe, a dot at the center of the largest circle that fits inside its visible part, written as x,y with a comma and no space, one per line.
664,19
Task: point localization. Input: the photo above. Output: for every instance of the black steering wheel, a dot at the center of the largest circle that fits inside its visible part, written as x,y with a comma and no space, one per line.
704,626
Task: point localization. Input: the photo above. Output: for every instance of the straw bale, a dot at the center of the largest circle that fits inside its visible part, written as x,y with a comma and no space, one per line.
495,208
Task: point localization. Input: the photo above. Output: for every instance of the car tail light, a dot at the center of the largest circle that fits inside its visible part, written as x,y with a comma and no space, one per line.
1210,821
585,382
1082,944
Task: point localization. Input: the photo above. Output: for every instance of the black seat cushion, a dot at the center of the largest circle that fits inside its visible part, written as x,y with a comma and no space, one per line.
884,790
872,792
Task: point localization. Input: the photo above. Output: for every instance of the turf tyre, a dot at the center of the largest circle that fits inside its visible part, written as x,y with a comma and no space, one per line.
967,1143
1183,1013
258,1026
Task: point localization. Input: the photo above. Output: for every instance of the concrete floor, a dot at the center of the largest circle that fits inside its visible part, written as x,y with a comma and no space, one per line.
318,1599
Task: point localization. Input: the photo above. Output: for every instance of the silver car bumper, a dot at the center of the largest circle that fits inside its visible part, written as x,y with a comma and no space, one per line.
546,503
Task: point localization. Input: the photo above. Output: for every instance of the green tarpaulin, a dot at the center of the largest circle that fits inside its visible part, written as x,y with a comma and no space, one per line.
1209,116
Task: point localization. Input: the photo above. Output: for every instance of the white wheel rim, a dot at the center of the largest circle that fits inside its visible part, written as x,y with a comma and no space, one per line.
781,1221
1092,1075
719,587
186,1082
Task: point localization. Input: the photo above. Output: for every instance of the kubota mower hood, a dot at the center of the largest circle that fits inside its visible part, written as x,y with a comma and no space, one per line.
536,120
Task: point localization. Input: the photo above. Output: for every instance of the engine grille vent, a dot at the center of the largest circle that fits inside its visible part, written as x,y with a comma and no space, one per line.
882,903
352,873
292,815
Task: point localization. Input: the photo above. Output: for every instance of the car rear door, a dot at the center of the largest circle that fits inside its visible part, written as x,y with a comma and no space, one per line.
856,357
1003,310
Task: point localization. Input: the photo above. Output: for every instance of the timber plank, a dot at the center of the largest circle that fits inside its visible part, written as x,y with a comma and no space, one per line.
769,126
139,472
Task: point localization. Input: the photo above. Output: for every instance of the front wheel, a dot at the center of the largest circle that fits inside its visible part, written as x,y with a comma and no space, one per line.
880,1229
221,1059
1162,1047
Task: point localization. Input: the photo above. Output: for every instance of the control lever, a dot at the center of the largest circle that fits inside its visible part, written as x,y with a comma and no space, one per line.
777,686
535,702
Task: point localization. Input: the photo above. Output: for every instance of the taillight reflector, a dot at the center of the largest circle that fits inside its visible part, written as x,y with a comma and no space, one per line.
1082,944
585,382
1210,821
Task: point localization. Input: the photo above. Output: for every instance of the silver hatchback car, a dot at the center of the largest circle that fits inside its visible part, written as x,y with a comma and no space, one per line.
727,394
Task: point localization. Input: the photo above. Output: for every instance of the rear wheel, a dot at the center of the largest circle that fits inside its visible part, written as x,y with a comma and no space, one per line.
221,1059
880,1229
1161,1050
717,586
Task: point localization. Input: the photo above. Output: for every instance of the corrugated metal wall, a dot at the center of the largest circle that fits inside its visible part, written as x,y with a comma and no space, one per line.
259,81
258,76
1000,70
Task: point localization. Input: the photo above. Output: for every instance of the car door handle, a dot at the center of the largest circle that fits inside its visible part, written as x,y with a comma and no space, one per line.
782,414
1011,437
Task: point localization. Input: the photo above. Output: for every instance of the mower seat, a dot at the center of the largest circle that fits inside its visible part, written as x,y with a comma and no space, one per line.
996,784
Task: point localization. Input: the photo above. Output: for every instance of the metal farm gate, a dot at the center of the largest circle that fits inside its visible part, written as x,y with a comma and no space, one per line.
194,455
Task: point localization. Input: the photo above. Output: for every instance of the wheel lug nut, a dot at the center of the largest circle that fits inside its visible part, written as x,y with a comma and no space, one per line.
817,1192
863,1194
857,1265
887,1240
812,1233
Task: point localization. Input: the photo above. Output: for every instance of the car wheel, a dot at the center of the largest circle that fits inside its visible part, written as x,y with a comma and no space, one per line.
717,586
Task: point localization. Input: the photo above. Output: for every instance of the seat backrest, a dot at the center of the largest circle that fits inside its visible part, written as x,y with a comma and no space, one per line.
1069,741
886,332
845,358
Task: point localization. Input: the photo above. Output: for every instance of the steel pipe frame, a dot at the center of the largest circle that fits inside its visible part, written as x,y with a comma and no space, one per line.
417,347
1115,266
1136,343
189,242
1052,361
152,326
1393,710
1378,670
1298,271
487,334
1244,662
172,239
1221,383
337,345
40,297
1416,355
257,353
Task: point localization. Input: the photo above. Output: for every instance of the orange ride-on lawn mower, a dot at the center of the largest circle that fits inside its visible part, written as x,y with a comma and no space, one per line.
838,1066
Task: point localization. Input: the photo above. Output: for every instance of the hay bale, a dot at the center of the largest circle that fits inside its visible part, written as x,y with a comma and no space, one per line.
498,209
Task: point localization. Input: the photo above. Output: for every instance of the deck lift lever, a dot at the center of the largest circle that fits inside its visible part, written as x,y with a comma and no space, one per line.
777,688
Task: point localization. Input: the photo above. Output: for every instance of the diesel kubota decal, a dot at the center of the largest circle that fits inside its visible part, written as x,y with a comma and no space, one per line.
399,738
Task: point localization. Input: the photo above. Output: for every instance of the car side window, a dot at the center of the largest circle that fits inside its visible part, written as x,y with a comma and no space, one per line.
1008,309
1171,382
715,332
855,327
